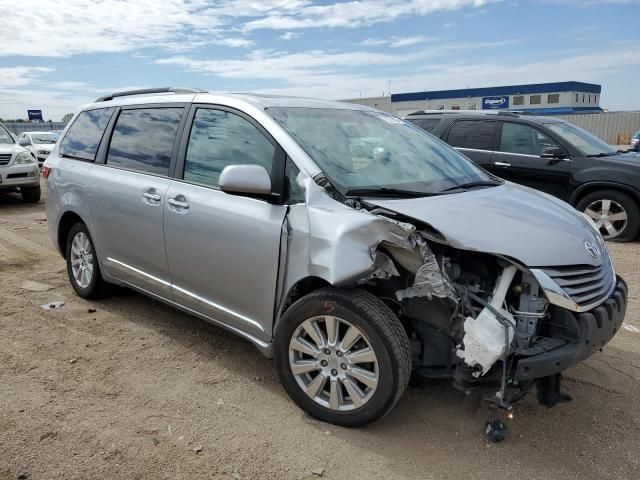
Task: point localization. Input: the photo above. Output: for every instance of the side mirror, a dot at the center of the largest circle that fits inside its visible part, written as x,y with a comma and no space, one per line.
553,153
245,179
24,142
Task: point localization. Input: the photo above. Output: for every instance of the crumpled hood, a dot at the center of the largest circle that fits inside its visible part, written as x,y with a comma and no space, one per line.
510,220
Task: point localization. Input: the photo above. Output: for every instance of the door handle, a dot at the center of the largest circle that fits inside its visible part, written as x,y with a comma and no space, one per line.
178,204
152,196
502,164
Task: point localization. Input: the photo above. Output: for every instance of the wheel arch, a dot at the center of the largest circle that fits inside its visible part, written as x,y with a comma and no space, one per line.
67,221
299,289
591,187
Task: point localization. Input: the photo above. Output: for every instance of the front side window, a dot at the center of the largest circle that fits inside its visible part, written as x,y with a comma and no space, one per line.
535,99
83,137
359,149
143,139
518,100
475,134
553,98
586,143
219,138
524,140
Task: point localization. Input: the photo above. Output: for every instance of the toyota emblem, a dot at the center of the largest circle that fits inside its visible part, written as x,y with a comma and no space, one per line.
592,248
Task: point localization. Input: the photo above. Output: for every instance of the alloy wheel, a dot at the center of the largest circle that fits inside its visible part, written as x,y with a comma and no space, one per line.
333,363
609,216
82,259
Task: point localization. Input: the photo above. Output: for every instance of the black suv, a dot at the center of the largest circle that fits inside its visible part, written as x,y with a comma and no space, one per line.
551,155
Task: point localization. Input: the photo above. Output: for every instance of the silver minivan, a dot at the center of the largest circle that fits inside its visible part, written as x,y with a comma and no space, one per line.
352,247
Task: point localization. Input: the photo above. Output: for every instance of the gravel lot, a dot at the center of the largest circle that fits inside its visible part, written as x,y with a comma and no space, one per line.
136,389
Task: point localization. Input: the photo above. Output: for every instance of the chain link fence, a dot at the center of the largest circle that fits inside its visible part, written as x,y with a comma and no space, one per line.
18,127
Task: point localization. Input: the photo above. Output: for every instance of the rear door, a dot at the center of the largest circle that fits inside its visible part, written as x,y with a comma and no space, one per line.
517,155
474,138
223,249
129,193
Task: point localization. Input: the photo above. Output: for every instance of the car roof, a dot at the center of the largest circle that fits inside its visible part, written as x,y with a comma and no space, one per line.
261,101
469,114
38,132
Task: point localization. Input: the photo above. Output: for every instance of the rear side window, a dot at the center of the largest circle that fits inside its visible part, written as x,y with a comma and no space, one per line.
476,134
427,124
83,138
219,138
143,139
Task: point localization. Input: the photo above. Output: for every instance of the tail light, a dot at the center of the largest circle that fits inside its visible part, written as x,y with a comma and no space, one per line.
46,171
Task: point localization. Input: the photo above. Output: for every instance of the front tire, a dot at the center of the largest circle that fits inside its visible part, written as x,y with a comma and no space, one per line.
82,264
30,194
615,213
342,356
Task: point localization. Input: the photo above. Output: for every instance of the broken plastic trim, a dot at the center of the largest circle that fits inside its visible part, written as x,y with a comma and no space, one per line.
430,280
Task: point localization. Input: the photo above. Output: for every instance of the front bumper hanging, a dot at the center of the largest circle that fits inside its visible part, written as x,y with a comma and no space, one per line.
595,328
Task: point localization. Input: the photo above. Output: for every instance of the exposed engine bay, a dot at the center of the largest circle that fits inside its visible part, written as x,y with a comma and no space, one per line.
470,315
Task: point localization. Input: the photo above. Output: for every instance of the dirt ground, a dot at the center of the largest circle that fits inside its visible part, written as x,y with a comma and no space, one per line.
138,390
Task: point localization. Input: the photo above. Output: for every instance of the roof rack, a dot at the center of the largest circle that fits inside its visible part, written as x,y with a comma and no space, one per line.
147,91
506,113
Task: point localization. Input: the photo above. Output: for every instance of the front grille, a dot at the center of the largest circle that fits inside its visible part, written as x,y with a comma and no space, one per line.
585,284
17,175
5,158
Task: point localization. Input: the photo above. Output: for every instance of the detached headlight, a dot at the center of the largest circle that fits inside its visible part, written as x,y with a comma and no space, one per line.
24,158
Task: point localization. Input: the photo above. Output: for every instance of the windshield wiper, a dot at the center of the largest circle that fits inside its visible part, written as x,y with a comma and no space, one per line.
386,192
481,183
600,155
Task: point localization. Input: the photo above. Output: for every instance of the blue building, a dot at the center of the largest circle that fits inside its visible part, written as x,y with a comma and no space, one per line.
536,98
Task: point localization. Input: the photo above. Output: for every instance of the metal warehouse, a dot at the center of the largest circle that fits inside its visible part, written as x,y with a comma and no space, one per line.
560,98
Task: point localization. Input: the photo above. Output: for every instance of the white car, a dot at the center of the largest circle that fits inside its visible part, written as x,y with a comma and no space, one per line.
18,168
39,144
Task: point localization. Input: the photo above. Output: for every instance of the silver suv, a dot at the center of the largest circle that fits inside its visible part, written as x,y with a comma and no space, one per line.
348,244
18,168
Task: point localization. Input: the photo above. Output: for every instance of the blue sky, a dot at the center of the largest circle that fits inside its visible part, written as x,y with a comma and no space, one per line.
59,55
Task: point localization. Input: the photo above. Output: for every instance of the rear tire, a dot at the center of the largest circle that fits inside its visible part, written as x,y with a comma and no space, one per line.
30,194
82,264
361,379
616,214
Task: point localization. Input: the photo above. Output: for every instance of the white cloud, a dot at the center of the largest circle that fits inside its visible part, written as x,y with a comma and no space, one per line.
353,14
87,26
110,26
235,42
267,64
395,42
290,35
19,76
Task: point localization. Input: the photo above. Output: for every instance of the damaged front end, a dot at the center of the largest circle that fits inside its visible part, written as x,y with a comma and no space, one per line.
485,320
